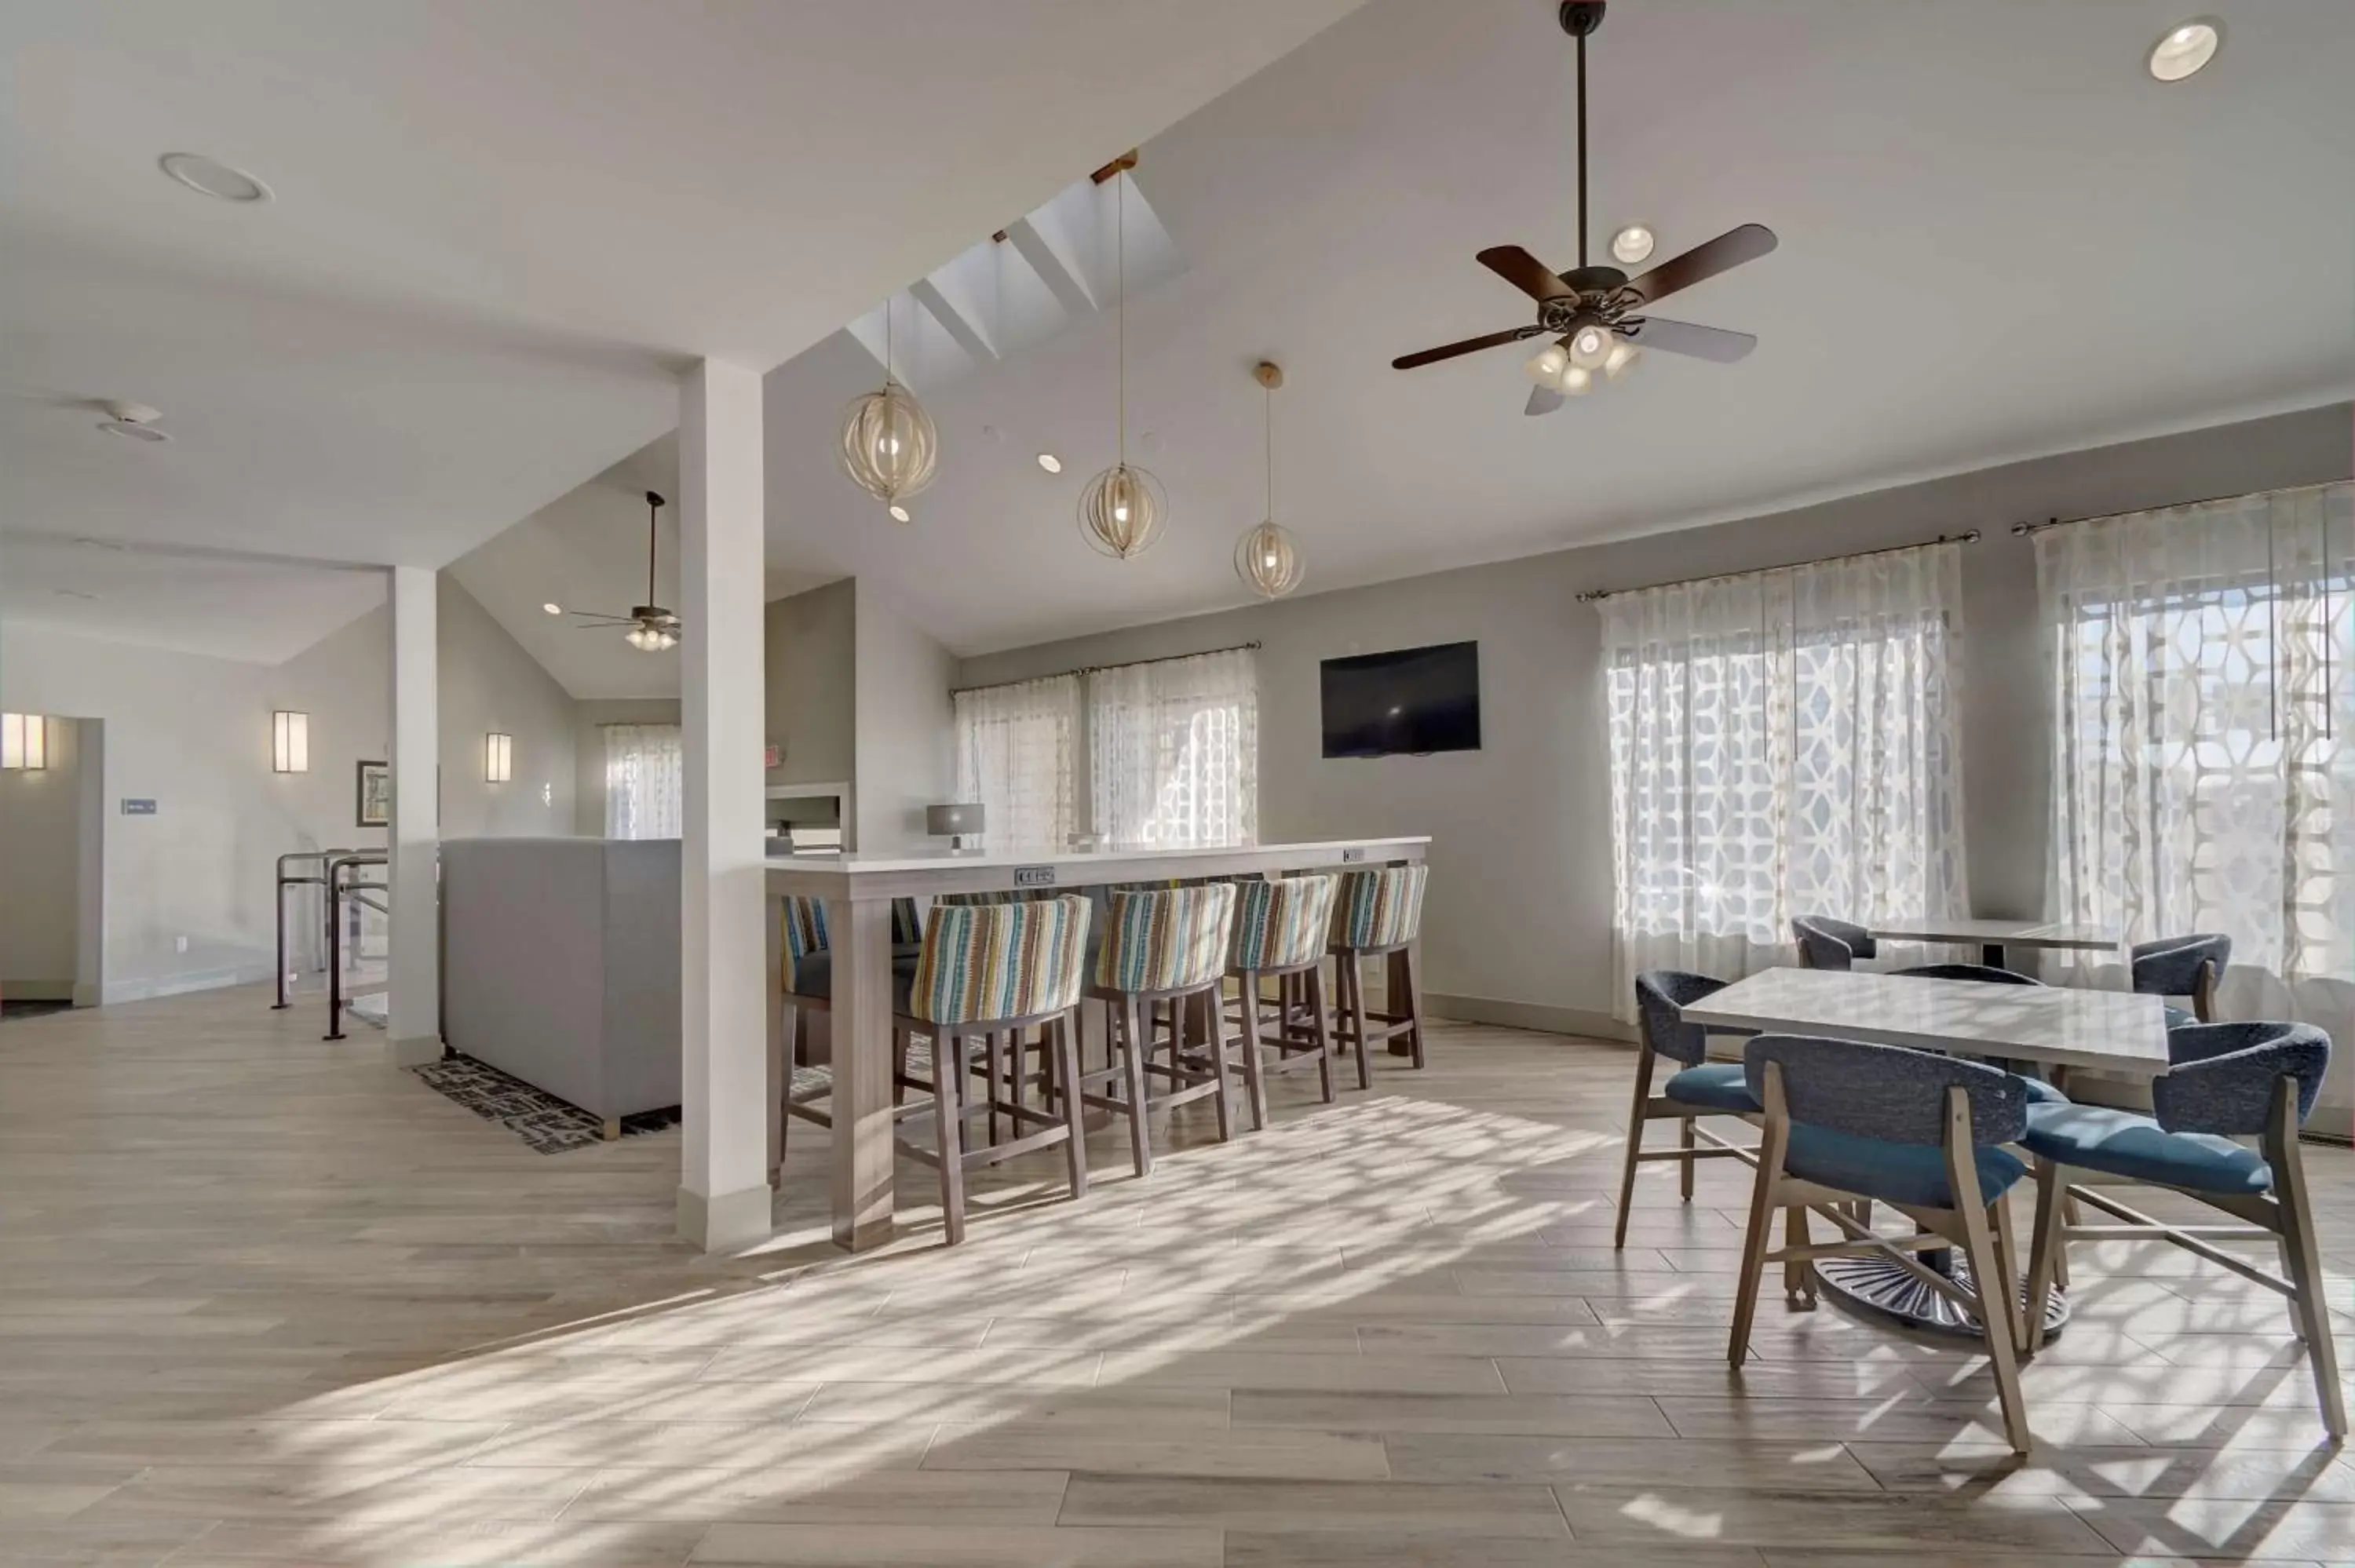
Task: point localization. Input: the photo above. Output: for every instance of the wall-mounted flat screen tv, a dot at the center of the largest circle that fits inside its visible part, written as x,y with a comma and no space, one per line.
1414,700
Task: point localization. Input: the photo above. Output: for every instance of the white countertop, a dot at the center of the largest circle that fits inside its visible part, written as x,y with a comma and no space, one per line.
2057,1025
2007,933
1325,851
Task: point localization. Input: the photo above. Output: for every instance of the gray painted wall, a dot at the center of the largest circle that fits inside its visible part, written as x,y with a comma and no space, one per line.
1520,894
40,866
591,715
811,651
905,725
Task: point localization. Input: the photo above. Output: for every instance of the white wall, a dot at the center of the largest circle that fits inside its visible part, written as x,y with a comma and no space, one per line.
40,869
189,890
591,715
1517,927
905,725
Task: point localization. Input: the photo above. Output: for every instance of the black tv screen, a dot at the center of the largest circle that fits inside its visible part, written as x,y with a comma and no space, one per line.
1413,700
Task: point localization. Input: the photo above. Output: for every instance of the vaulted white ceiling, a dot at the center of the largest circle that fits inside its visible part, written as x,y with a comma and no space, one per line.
500,229
1999,238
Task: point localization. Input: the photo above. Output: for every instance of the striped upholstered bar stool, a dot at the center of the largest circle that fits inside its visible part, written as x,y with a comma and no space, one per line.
1281,929
809,988
1378,913
986,972
1164,945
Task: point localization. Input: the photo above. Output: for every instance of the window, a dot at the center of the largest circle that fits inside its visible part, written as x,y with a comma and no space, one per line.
646,789
1165,754
1016,746
1782,743
1173,751
2204,770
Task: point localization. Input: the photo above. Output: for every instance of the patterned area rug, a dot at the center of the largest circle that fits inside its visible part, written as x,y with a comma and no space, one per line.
817,1083
550,1125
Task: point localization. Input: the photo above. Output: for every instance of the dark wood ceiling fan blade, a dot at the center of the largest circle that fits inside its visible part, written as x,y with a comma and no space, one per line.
1700,342
1524,271
1469,345
1704,262
1543,400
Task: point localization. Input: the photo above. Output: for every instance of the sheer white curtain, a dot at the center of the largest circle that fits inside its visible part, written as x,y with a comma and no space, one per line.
1017,751
1173,749
646,785
1782,743
2204,736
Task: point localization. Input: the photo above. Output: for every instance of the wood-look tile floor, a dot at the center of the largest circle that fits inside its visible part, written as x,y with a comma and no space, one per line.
268,1300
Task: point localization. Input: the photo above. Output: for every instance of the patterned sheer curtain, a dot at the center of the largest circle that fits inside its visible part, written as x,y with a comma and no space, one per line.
1017,750
1782,743
1173,750
2204,736
645,782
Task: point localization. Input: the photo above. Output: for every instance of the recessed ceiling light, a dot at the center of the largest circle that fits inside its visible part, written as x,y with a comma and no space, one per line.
212,178
1051,462
899,513
2184,48
1633,243
553,608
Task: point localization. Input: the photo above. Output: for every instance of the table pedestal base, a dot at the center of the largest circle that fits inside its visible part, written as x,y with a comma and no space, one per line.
1885,1289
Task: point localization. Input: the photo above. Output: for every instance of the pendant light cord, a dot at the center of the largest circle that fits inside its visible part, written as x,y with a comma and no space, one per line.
1268,394
1120,265
1581,152
651,513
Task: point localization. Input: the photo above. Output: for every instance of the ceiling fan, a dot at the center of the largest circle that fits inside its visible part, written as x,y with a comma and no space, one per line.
652,628
1599,312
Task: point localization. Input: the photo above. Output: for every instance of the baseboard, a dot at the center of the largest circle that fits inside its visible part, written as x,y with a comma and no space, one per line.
726,1222
180,985
1494,1010
415,1052
36,991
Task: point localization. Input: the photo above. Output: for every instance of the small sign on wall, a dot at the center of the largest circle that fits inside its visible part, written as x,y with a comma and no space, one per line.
772,756
135,807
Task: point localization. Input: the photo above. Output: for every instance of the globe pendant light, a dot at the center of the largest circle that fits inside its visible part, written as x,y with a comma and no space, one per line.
1122,509
889,444
1267,557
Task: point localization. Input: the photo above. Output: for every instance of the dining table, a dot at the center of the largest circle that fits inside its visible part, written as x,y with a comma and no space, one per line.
2056,1029
1994,937
858,887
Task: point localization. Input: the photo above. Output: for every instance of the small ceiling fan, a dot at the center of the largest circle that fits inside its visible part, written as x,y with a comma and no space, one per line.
652,628
1598,312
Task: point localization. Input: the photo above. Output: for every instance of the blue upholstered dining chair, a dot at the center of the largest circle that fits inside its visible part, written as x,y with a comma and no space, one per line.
1697,1088
1828,944
1281,926
808,982
2182,966
1163,945
985,973
2227,1083
1845,1120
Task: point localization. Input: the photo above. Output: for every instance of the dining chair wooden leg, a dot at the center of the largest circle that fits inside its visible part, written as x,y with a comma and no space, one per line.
948,1130
1798,1278
2046,1247
2310,1307
2007,1252
1990,1271
1254,1081
1314,988
1132,1044
1634,1144
1066,1038
1754,1242
1686,1141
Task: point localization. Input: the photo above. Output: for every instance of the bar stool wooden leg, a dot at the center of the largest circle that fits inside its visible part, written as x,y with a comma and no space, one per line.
948,1117
1066,1038
1205,1010
1133,1045
1314,983
994,1059
1404,967
1254,1082
1353,1013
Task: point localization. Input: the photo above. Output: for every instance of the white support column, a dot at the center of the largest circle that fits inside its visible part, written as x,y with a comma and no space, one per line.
723,1193
413,1004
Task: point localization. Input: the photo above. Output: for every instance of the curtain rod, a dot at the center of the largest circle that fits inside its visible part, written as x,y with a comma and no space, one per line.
1093,669
2166,506
1591,595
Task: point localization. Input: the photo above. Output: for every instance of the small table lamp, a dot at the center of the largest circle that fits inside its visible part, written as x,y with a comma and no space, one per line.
957,823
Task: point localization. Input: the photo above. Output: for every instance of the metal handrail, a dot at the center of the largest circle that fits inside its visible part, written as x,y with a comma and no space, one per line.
285,881
338,889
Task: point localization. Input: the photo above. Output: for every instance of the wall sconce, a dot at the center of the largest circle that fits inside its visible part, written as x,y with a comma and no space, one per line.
24,741
498,758
289,741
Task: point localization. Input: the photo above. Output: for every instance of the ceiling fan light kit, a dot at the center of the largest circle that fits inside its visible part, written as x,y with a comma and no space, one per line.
1597,315
648,628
